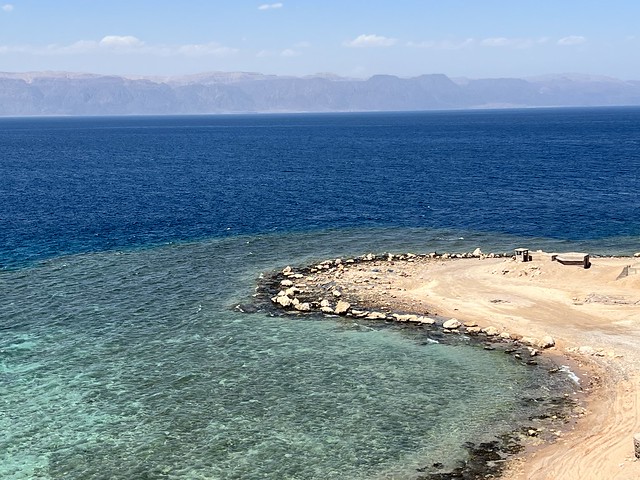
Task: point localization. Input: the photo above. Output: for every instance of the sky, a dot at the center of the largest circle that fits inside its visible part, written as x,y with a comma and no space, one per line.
352,38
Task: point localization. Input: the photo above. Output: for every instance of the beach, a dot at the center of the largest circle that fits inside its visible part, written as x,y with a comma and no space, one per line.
591,314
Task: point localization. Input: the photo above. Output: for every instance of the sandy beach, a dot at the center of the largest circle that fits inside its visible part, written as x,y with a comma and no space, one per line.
592,314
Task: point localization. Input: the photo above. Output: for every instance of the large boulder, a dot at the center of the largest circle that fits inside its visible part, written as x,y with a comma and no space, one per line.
546,342
451,324
284,301
342,307
491,331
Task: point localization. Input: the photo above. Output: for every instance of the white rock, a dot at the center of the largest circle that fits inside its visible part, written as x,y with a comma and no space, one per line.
342,307
546,342
451,324
336,293
491,331
286,283
586,350
426,320
326,309
477,252
303,307
376,316
405,318
284,301
287,270
325,303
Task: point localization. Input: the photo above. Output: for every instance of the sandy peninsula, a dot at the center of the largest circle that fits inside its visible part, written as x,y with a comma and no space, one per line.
593,316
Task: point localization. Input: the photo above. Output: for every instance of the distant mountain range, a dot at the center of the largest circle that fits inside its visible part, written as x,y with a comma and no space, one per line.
61,93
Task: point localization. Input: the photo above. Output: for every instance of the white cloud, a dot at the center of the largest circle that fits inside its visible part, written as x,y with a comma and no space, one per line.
7,7
264,54
270,6
122,45
289,52
203,49
443,44
302,45
572,40
117,41
371,41
504,42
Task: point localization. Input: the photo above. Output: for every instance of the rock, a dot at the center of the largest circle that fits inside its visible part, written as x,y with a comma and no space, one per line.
342,307
359,313
637,255
491,331
303,307
528,341
586,350
546,342
325,303
532,433
286,283
287,270
337,261
405,318
425,320
505,336
376,316
284,301
473,330
470,323
477,252
451,324
532,351
336,293
326,309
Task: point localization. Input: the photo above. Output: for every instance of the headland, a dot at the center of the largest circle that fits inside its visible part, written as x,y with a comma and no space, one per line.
586,317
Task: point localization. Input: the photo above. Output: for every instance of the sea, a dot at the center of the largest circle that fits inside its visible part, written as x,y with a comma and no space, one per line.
127,243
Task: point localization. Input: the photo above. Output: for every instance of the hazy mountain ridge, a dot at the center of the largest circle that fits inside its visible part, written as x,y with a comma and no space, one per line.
64,93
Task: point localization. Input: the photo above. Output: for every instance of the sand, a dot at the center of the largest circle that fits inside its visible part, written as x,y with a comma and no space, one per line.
593,315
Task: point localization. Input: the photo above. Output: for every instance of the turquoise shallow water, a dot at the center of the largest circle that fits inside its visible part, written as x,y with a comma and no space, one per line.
135,365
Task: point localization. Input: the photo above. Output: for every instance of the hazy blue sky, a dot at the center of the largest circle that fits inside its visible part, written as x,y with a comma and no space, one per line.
473,38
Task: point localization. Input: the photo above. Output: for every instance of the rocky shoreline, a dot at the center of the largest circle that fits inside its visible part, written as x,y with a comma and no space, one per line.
321,289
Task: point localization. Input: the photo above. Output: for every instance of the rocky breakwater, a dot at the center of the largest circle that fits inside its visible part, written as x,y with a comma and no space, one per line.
363,288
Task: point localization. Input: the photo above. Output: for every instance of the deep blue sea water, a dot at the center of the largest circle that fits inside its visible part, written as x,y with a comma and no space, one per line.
125,243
